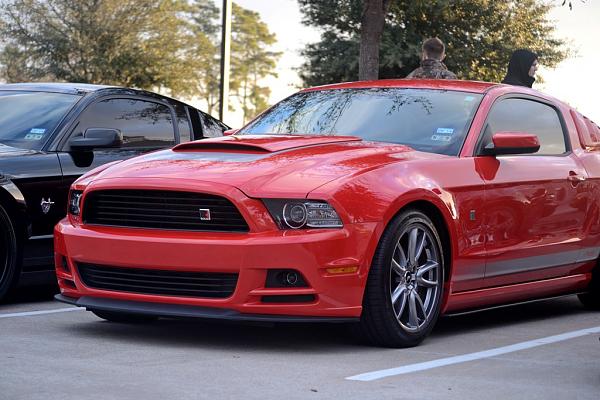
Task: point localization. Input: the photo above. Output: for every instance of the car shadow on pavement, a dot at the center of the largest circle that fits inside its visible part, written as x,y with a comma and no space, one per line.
509,316
317,338
223,335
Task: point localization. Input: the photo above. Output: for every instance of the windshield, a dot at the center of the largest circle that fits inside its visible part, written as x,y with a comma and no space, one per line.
434,121
27,119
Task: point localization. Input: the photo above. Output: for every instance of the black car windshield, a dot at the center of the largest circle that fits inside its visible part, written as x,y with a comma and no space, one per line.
434,121
27,119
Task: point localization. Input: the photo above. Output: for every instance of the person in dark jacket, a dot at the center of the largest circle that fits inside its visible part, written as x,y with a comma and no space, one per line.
521,68
432,67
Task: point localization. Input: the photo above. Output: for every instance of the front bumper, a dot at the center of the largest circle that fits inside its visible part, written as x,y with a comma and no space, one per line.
251,255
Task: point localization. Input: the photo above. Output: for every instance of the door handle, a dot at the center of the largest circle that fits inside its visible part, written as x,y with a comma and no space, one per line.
575,178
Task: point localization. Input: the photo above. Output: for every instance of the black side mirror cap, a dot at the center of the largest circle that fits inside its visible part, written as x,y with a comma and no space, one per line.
94,138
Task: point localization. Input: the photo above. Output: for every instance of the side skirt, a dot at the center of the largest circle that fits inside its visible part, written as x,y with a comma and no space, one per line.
513,294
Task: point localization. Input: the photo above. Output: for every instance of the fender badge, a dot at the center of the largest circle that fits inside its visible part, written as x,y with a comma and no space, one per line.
204,214
46,204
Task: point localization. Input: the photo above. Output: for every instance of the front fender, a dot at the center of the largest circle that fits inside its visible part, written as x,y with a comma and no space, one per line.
451,185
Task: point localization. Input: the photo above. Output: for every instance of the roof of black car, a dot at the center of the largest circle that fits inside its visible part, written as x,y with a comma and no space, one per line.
58,87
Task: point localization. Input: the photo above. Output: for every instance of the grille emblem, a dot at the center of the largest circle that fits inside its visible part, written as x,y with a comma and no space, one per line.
204,214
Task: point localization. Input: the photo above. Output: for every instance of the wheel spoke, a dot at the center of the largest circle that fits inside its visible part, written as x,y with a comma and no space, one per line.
428,266
416,245
413,318
397,268
402,258
420,307
426,283
421,280
397,293
403,299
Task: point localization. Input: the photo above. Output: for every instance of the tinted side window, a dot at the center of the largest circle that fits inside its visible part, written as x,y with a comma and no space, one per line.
211,127
519,115
144,124
183,124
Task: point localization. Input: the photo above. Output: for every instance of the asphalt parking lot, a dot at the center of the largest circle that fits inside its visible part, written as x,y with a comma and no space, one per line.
60,354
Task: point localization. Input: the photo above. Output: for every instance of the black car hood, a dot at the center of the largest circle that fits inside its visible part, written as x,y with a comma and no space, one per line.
9,151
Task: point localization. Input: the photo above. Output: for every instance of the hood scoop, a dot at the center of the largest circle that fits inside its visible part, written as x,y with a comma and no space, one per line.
261,143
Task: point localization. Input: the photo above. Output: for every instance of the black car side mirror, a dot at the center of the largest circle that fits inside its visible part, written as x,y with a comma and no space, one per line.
94,138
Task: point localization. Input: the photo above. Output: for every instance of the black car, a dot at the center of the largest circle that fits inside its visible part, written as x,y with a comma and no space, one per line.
50,134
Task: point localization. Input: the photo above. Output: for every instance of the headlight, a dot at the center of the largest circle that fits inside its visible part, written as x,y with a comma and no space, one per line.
297,214
74,201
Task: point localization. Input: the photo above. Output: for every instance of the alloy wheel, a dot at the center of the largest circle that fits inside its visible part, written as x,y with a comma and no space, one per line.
414,278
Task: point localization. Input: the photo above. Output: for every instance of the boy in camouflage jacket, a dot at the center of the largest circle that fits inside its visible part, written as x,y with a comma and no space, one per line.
432,67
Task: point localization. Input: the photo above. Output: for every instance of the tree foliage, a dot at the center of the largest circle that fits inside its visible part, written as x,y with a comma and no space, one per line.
204,16
251,60
480,36
127,42
148,44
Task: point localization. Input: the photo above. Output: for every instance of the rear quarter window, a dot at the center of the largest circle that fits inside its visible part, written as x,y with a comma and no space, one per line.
587,130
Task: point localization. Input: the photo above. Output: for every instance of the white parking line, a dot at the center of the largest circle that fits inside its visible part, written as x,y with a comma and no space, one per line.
29,313
442,362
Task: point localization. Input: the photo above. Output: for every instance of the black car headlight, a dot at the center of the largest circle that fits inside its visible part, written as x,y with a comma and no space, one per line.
75,201
298,214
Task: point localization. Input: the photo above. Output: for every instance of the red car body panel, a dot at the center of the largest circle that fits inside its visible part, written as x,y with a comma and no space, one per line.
516,228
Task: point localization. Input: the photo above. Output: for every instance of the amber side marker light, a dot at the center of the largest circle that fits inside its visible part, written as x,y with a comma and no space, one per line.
342,270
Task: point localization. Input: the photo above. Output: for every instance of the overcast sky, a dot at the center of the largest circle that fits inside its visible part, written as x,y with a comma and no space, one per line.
576,80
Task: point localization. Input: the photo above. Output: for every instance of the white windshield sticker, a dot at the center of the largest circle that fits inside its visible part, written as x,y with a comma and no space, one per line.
33,136
40,131
443,135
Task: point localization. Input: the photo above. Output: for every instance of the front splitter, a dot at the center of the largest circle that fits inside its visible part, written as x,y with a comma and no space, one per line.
183,311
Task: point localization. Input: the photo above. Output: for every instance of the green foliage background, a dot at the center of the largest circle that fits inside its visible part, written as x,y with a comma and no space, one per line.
169,45
480,36
173,45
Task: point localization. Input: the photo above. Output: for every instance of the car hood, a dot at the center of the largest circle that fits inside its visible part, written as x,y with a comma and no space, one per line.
9,151
265,166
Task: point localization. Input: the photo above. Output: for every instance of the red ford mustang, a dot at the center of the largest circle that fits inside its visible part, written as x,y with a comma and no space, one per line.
385,203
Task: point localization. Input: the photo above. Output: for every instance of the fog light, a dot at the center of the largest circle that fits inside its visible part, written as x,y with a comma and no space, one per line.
291,278
280,278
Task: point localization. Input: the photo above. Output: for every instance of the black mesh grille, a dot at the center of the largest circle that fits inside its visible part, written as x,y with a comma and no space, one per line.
159,209
161,282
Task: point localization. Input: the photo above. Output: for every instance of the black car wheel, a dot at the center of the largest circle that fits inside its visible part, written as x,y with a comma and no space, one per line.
8,254
123,317
404,289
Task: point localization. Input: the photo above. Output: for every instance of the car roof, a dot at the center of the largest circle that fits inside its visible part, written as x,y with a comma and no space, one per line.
56,87
444,84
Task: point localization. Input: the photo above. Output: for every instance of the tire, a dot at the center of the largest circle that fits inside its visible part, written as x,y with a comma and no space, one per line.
9,255
591,299
121,317
403,295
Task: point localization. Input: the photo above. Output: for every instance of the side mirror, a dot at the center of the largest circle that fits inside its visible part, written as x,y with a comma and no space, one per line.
230,132
94,138
504,143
